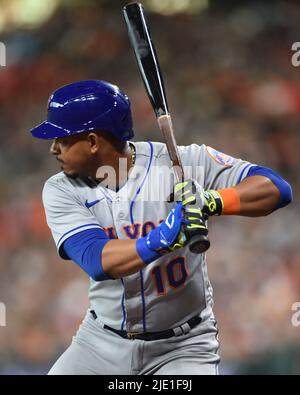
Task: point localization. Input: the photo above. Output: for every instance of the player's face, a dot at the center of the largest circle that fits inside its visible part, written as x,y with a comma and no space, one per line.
74,155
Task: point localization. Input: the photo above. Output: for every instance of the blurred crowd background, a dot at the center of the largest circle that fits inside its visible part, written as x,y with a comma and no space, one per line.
230,84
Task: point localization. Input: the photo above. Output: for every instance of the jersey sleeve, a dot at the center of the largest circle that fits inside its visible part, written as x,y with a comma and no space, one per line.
222,170
65,214
214,169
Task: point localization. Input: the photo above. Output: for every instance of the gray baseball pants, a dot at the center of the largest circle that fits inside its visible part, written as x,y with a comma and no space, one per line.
98,351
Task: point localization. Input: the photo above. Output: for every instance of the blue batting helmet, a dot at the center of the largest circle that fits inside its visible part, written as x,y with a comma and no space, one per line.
85,106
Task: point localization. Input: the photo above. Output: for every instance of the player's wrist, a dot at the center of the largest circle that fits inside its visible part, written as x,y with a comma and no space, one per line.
213,203
231,201
222,202
146,253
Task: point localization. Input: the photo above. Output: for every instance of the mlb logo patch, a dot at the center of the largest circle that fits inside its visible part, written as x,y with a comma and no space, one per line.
221,158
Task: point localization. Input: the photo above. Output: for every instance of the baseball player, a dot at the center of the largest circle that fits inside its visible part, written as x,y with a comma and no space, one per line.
150,296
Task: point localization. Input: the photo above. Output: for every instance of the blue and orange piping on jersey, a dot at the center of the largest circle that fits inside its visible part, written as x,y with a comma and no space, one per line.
78,227
143,300
132,222
123,307
142,183
243,172
107,195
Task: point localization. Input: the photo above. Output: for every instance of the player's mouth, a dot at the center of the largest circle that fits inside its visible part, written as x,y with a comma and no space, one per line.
62,163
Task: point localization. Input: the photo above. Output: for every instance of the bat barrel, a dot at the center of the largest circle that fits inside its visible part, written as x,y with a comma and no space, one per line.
146,57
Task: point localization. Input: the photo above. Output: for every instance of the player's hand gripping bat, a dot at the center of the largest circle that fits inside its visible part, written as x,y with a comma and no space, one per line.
150,71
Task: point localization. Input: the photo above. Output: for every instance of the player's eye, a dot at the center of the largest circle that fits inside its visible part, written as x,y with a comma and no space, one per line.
63,142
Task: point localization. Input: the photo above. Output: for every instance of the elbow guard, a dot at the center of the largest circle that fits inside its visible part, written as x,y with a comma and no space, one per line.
285,190
85,249
92,261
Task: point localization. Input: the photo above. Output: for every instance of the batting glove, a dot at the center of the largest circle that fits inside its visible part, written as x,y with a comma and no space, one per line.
192,200
212,202
166,237
191,193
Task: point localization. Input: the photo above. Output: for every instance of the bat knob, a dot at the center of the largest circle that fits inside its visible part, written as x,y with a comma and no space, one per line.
199,244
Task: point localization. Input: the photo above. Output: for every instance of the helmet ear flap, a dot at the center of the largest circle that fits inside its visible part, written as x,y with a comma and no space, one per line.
124,123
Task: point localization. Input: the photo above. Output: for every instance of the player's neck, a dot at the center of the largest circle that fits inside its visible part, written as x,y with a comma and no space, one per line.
125,164
120,162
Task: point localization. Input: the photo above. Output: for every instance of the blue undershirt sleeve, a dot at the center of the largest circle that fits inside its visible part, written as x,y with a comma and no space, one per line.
85,249
286,194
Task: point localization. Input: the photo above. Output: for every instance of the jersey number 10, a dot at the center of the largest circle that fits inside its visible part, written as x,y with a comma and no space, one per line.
176,274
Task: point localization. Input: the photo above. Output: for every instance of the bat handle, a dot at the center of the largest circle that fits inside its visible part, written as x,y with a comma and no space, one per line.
199,244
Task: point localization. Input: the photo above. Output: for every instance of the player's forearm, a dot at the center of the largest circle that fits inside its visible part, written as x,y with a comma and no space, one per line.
260,193
258,196
120,258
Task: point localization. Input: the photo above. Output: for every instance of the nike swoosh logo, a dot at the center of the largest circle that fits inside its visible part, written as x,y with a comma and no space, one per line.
91,204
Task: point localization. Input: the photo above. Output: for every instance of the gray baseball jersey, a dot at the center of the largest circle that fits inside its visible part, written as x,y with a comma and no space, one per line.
175,287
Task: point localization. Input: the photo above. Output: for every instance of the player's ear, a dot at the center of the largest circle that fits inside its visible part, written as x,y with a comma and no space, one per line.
93,140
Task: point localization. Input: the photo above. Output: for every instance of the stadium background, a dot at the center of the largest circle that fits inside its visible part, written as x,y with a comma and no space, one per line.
231,85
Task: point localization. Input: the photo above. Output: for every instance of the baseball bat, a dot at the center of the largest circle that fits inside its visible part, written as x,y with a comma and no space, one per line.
149,68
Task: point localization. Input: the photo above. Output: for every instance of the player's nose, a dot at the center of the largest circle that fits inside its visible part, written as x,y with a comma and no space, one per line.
54,148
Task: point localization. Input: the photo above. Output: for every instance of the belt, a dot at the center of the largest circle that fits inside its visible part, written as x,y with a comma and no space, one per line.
148,336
